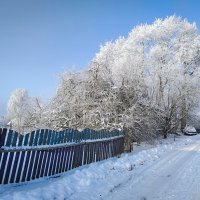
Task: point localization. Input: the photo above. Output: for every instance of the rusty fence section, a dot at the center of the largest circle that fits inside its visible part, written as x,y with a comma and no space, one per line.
20,164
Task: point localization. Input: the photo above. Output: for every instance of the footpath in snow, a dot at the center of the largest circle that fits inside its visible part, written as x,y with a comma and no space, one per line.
168,170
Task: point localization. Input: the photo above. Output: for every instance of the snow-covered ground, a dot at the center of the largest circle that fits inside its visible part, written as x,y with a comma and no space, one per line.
165,170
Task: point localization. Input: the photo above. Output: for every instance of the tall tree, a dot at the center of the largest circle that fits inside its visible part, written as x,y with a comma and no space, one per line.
146,81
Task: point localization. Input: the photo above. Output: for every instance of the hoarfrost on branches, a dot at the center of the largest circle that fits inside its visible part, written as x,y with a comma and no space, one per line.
145,82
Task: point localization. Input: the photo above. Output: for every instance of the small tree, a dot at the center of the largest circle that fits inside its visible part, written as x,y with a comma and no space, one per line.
18,108
26,113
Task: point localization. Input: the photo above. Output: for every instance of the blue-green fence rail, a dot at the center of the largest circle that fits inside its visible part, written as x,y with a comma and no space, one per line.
11,138
45,153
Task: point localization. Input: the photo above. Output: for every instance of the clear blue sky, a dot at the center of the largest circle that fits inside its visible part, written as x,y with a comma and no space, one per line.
41,38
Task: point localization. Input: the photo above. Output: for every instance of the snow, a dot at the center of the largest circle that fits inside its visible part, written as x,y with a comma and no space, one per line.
164,170
48,146
190,129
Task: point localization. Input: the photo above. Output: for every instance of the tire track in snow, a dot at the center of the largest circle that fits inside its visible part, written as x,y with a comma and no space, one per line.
166,178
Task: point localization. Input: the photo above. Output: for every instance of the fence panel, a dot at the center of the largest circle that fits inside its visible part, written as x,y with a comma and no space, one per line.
45,153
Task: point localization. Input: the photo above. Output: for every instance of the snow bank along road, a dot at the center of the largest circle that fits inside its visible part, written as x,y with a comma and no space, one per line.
166,171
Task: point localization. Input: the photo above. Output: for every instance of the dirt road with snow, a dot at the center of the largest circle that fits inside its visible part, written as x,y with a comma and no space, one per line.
167,170
174,176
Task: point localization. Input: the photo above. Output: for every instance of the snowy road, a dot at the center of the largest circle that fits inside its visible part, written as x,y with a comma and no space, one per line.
168,171
175,176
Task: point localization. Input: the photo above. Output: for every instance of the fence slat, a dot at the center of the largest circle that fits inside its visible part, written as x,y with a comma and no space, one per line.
26,166
41,137
19,168
43,163
71,157
61,161
61,137
3,164
7,172
65,136
58,160
54,163
52,137
56,138
14,170
35,143
29,171
9,137
47,164
39,164
49,137
45,137
72,135
51,162
35,165
15,137
0,136
3,136
67,149
31,138
74,164
21,137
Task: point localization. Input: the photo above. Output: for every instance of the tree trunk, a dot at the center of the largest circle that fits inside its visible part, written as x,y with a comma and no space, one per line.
184,115
165,135
127,140
167,127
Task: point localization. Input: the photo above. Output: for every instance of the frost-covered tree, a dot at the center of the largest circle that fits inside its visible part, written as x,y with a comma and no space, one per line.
159,63
65,108
146,81
35,118
17,108
25,113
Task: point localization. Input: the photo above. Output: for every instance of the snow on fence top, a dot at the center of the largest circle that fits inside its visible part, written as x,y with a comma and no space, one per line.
10,138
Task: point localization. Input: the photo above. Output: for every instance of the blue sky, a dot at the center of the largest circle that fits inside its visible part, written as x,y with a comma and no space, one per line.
41,38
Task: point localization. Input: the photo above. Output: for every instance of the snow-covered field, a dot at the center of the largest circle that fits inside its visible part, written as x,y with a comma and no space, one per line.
166,170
